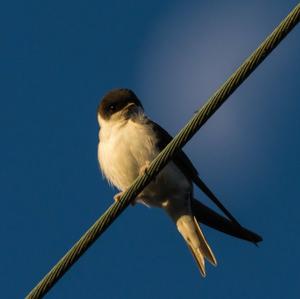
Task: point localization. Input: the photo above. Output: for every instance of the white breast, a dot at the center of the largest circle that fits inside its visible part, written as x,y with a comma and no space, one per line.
123,149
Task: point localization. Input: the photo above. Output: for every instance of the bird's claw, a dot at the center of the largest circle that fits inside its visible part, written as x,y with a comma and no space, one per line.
118,196
144,168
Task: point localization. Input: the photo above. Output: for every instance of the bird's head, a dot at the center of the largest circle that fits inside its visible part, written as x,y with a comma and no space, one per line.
118,105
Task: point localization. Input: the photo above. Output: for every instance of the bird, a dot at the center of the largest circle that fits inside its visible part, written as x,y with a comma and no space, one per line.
128,141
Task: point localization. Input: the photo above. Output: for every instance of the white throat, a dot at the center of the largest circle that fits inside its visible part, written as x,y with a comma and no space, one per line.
124,148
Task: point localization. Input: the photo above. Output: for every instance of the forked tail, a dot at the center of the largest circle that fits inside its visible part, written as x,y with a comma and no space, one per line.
188,227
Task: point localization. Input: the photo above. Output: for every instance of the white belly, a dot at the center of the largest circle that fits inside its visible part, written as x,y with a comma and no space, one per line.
124,150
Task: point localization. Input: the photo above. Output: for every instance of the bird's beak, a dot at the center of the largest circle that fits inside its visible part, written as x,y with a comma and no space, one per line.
130,106
130,110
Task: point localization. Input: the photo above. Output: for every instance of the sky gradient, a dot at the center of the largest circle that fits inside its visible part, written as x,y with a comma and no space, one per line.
58,58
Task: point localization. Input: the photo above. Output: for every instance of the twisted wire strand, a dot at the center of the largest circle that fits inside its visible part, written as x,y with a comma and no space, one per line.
198,120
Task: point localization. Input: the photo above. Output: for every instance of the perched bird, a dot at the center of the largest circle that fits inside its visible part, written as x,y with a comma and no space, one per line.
128,142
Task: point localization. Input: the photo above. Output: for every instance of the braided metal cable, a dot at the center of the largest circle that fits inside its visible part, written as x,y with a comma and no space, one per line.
198,120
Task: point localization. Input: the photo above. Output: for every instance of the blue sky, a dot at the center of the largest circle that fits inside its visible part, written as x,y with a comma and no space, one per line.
57,60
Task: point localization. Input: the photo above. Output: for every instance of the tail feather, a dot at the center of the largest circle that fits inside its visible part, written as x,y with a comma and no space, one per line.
191,232
214,220
198,256
205,248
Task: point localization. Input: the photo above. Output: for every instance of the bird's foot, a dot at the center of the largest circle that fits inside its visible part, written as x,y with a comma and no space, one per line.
118,196
144,168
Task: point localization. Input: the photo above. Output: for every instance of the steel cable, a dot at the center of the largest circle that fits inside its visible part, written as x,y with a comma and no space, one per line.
198,120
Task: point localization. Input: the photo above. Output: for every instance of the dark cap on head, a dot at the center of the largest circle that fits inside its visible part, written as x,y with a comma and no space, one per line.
115,100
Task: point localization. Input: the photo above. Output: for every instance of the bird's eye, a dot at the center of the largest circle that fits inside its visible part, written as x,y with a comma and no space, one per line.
112,107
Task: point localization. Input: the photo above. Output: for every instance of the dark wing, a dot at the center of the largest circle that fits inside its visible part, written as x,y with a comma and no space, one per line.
214,220
185,165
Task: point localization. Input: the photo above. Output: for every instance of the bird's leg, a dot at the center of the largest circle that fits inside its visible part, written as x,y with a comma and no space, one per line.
118,196
144,168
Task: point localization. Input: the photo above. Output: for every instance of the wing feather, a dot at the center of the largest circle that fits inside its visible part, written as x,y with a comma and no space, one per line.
186,166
